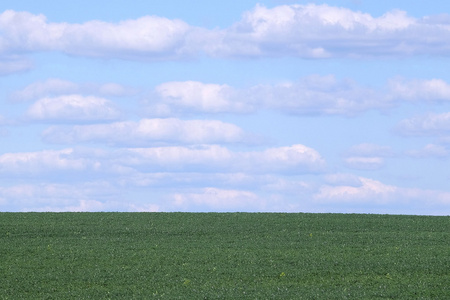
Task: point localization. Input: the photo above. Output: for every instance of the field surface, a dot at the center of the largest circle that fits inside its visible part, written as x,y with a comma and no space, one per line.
223,256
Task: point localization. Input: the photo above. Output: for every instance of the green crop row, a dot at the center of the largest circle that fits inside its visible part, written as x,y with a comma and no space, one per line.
223,256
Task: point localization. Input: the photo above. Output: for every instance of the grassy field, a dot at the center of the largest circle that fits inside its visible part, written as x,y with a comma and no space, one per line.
223,256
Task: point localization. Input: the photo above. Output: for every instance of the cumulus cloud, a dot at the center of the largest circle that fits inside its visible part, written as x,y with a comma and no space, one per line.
192,187
23,31
431,90
431,124
86,179
149,37
203,97
321,31
296,159
307,31
13,64
320,95
52,87
218,200
312,94
88,196
49,87
66,165
364,163
149,132
179,158
203,160
367,156
223,178
73,108
430,150
375,195
369,190
377,192
309,95
40,162
366,195
367,149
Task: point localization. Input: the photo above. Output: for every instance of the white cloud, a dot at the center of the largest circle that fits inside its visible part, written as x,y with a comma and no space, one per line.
40,162
431,124
310,95
192,177
82,205
367,156
149,37
430,150
144,207
178,158
308,31
296,159
367,149
376,196
369,191
198,96
319,94
88,196
202,163
49,87
319,31
420,90
313,94
218,200
13,64
287,195
73,108
52,87
149,132
23,31
364,163
64,178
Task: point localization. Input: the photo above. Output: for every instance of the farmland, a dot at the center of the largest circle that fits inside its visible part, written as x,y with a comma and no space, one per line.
223,256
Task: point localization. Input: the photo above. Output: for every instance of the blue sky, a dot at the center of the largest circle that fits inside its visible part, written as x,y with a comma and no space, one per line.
292,106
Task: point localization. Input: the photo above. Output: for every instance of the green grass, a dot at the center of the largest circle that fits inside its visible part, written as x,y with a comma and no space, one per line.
223,256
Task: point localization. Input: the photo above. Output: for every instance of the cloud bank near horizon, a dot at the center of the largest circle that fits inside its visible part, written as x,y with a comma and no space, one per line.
196,154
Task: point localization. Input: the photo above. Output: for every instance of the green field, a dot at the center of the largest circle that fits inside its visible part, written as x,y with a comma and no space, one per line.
223,256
